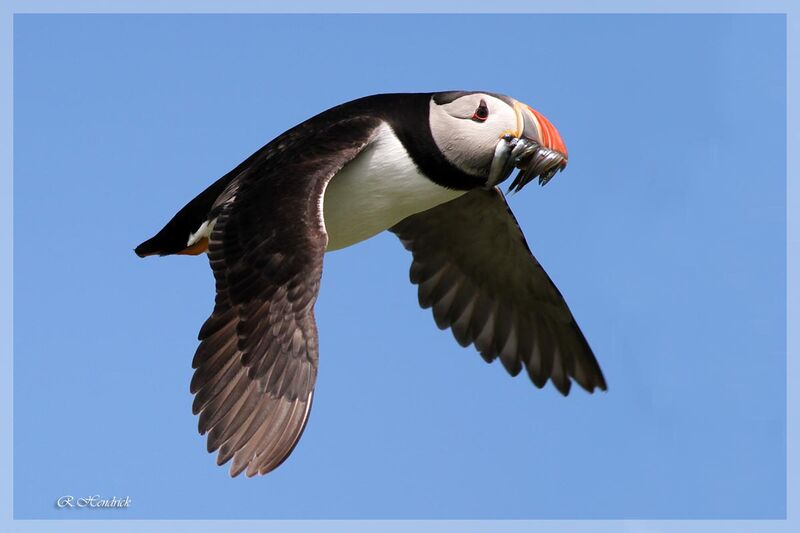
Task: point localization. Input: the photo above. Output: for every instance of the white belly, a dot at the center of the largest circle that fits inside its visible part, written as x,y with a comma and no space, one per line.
375,191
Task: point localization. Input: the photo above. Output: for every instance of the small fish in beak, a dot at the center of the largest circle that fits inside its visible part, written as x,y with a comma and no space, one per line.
536,149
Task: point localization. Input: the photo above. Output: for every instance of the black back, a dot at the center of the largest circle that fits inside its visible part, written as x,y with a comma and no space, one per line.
406,113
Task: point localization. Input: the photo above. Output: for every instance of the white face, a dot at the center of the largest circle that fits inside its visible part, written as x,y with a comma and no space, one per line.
468,129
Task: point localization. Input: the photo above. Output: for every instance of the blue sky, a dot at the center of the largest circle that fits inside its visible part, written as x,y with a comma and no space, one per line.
666,234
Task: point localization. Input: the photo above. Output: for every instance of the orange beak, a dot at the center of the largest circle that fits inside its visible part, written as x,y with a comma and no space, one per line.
536,127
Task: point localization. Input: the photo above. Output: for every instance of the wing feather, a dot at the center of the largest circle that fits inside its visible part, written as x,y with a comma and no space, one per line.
256,365
475,270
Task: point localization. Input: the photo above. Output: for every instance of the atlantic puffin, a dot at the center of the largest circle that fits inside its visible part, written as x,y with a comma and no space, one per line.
425,166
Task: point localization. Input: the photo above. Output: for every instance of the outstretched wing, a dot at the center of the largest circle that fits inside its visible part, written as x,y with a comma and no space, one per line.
474,268
257,361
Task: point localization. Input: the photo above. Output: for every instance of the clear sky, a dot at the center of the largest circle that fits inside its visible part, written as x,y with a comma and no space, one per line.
666,235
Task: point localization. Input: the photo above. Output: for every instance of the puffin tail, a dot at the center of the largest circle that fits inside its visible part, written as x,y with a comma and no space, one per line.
174,237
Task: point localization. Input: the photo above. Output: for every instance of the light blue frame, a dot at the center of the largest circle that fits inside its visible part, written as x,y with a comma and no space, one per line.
8,9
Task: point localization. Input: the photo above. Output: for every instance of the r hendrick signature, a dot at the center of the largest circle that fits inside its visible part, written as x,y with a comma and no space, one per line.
93,502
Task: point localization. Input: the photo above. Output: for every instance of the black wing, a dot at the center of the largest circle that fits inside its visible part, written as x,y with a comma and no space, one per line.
475,270
257,361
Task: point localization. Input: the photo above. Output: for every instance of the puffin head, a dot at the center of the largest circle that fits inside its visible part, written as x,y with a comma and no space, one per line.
488,135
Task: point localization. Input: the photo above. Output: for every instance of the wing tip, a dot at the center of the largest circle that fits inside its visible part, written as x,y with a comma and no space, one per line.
599,383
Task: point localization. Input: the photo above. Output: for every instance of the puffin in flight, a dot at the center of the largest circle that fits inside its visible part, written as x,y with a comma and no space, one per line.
424,166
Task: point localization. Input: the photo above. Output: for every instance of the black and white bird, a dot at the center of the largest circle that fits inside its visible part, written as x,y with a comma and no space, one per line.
424,166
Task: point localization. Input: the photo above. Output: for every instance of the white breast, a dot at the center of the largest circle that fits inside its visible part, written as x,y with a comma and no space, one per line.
375,191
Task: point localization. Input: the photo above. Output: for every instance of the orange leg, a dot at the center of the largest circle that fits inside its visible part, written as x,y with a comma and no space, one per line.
197,248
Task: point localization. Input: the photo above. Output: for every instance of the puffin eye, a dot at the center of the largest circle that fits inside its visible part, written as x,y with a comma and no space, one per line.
482,113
